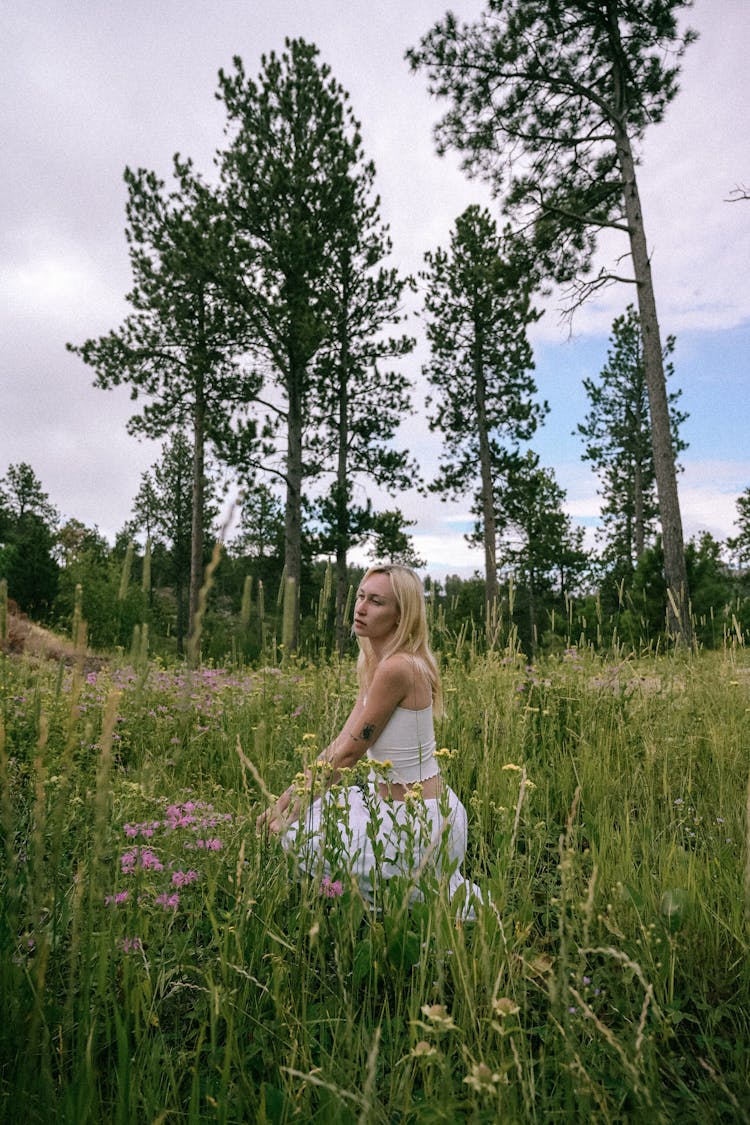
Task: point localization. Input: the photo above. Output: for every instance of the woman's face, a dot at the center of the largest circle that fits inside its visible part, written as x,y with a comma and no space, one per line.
375,612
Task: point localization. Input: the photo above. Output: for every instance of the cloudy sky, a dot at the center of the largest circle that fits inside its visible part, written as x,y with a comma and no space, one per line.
90,87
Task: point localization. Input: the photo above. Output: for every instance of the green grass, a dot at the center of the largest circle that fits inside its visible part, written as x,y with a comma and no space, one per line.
605,979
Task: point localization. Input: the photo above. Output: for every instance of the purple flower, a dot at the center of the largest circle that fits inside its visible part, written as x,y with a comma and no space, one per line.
116,900
168,902
184,878
331,889
132,945
149,860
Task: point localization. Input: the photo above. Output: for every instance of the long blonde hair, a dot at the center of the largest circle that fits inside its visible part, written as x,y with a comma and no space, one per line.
411,634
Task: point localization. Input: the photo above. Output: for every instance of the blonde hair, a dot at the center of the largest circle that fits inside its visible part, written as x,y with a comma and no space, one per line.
411,635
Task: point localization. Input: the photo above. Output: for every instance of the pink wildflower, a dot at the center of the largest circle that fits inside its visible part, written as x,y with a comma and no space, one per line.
169,902
128,862
150,860
214,845
331,889
184,878
116,900
132,945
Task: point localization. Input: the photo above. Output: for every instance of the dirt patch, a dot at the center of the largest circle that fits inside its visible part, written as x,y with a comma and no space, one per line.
21,637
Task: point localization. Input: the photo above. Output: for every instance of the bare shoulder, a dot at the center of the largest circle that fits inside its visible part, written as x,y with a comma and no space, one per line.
405,680
396,672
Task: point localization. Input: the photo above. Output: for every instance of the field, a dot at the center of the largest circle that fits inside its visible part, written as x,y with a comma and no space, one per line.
161,962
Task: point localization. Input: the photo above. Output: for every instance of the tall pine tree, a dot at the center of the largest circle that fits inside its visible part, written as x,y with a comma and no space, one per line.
477,309
550,101
618,443
359,402
178,349
293,143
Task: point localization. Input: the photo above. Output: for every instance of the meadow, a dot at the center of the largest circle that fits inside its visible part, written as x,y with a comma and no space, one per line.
162,962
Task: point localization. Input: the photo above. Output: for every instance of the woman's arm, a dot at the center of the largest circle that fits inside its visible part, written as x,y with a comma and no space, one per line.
361,730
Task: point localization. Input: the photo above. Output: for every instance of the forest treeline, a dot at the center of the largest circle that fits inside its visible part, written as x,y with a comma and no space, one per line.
265,346
132,595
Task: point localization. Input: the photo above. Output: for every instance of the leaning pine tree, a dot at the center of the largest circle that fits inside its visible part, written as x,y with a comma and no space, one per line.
549,103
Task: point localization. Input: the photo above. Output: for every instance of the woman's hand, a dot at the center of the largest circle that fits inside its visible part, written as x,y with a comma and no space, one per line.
276,818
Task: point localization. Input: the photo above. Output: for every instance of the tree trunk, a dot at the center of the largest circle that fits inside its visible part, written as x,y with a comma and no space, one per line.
196,536
638,517
664,461
342,509
489,522
293,507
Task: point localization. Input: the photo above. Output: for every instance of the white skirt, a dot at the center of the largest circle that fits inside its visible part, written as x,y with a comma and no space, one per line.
353,832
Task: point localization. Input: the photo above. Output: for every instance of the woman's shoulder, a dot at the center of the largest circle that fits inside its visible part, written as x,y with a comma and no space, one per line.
405,675
398,668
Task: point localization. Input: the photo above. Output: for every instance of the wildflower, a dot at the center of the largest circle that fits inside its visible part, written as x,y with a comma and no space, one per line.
331,889
511,766
438,1016
168,902
444,753
504,1006
423,1050
184,878
150,860
127,862
116,900
482,1079
213,845
132,945
309,736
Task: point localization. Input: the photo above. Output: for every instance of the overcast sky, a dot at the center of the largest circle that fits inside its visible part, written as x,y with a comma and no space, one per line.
89,88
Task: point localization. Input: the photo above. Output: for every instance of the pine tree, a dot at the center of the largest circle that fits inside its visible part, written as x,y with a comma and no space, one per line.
478,308
358,404
549,103
537,539
740,543
618,443
27,540
293,143
163,509
179,347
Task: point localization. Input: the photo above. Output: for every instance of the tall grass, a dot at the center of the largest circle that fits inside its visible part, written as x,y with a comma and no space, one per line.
606,976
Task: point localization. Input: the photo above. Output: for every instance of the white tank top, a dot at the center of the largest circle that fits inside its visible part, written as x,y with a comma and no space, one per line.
408,743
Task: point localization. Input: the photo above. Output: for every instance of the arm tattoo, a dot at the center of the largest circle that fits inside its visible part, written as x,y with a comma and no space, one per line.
366,733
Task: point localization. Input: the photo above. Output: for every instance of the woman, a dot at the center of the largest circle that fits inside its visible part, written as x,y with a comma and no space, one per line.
407,818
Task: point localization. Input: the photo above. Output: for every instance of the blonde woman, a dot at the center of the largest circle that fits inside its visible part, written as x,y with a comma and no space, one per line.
407,817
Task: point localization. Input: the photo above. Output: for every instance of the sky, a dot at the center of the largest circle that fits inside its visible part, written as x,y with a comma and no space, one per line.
90,88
